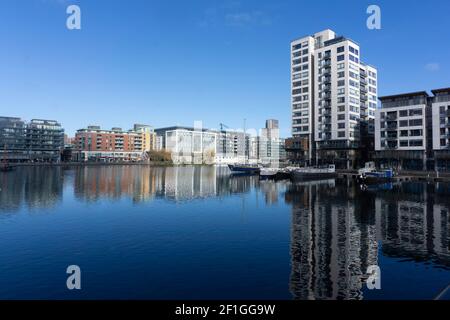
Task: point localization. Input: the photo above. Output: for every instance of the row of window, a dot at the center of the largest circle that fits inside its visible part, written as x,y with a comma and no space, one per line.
300,60
404,123
405,113
404,133
403,143
301,129
301,98
303,105
298,46
299,91
300,53
444,109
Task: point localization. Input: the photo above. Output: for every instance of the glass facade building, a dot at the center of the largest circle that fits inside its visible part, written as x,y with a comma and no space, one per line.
35,141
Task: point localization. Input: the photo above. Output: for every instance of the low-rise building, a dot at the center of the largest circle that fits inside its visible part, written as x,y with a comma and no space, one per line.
295,149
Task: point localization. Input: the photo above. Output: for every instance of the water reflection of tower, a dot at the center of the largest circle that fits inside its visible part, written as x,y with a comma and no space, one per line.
270,191
332,243
414,222
181,183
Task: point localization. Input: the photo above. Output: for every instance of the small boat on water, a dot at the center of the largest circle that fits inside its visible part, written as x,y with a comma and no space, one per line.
369,174
274,173
268,173
244,168
313,173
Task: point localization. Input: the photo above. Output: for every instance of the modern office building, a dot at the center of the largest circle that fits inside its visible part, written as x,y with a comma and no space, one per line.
189,145
334,98
13,139
45,140
271,146
441,128
36,141
96,144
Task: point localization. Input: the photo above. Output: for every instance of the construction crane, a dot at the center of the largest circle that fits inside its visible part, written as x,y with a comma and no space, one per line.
223,126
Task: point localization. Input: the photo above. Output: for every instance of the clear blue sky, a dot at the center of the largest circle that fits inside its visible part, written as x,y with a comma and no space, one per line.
174,62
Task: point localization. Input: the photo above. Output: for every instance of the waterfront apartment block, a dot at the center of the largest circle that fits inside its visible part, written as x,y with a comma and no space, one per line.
412,131
441,128
96,144
334,98
148,136
401,131
36,141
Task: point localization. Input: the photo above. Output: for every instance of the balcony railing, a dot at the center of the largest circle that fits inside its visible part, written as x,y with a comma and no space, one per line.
391,117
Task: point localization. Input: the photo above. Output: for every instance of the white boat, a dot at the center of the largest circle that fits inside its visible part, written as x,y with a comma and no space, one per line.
267,173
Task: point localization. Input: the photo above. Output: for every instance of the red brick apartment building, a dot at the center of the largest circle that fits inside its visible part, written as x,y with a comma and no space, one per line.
96,144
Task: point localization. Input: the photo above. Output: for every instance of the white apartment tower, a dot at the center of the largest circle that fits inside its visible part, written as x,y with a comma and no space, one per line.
334,98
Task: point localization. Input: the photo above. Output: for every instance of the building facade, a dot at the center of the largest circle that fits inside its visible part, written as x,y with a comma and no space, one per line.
334,98
148,136
271,147
189,145
36,141
198,145
441,128
412,131
96,144
401,131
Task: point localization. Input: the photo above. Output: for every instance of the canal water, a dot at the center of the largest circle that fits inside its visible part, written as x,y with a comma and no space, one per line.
199,233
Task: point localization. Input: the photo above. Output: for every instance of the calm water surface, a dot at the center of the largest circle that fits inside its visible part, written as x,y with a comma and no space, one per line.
199,233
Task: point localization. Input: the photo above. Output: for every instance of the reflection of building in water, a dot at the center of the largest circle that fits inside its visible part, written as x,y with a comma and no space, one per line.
190,182
335,232
36,187
332,243
144,182
271,190
414,224
94,182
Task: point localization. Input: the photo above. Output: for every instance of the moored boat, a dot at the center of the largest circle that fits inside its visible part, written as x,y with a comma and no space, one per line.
244,168
268,173
380,176
313,173
369,174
